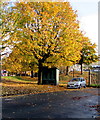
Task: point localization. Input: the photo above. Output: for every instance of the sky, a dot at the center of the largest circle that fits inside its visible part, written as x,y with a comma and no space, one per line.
87,11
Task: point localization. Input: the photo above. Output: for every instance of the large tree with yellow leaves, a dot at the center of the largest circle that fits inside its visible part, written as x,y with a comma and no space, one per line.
46,31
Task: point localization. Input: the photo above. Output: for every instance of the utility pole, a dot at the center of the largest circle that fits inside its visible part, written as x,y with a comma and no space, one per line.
73,72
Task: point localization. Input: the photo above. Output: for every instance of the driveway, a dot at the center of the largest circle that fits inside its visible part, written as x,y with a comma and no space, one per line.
65,104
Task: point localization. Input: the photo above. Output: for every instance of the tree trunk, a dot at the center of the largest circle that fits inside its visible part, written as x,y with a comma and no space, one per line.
89,82
40,73
32,74
67,70
81,69
25,73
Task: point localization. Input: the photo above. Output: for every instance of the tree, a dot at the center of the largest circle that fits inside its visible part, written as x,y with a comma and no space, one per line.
18,63
46,31
88,55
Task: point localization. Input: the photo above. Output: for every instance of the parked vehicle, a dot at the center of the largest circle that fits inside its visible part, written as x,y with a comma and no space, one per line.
76,83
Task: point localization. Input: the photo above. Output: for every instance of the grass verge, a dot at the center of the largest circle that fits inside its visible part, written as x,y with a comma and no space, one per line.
95,85
19,85
25,85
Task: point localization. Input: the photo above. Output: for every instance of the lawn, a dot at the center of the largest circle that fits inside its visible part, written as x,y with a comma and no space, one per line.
18,85
25,85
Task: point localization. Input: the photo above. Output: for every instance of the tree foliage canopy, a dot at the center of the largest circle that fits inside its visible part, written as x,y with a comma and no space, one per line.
43,30
88,55
46,31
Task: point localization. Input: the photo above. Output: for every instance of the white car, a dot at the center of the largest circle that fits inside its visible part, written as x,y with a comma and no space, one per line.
76,83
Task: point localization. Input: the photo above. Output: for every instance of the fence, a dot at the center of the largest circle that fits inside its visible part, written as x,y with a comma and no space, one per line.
94,77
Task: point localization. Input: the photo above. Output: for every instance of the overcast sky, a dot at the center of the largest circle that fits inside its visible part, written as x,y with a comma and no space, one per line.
87,11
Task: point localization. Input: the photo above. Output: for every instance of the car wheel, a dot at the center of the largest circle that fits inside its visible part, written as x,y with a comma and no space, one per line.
85,86
79,86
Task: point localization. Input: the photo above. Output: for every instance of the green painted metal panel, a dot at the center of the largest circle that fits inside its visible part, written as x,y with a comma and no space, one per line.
49,76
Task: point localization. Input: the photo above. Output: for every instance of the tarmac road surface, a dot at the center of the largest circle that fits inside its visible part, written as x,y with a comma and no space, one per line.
66,104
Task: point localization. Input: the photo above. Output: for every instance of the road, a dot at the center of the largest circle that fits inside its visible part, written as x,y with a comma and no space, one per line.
65,104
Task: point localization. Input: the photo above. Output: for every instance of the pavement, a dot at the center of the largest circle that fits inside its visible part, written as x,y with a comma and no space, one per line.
64,104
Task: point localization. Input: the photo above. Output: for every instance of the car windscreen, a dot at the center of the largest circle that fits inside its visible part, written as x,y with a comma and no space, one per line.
75,79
